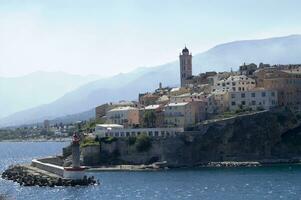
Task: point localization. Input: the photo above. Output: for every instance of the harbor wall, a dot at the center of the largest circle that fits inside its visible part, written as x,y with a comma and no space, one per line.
55,169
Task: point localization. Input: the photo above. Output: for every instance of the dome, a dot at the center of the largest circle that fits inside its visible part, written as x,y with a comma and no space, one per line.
185,50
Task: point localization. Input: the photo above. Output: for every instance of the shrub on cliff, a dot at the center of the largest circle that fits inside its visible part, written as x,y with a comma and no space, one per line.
108,140
143,143
132,140
88,141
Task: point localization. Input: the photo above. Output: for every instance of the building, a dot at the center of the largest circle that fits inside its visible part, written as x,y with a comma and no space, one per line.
235,83
127,116
247,69
133,132
100,111
100,128
183,114
256,99
151,116
187,97
185,66
46,125
148,99
286,82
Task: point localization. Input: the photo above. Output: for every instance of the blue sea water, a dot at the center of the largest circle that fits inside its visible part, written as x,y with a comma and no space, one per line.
277,182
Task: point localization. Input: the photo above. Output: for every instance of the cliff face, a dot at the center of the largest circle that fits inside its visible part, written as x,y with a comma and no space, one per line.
261,136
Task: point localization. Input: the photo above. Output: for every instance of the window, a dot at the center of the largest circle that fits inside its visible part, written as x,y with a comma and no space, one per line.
243,95
263,94
233,103
253,94
273,94
232,96
243,103
253,103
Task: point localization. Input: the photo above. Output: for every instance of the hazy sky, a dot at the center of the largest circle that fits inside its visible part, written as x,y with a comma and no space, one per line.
108,37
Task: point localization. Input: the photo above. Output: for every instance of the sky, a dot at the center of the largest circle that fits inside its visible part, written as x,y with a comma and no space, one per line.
109,37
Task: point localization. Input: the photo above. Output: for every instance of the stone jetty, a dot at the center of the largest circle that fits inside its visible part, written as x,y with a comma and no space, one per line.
30,176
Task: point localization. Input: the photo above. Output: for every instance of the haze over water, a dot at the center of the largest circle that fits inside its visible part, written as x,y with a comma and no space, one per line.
278,182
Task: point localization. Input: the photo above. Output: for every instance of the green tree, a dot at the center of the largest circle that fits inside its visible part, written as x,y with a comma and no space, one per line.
149,119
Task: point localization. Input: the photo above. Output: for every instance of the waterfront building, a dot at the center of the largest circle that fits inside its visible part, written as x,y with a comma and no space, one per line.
127,116
256,99
133,132
101,127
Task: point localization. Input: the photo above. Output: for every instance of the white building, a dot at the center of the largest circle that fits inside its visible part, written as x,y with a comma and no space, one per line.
234,83
107,127
254,99
132,132
127,116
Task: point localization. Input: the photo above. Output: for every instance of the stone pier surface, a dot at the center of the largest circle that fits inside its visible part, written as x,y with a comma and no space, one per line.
27,175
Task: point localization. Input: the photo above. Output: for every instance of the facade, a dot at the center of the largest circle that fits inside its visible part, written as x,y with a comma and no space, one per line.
235,83
132,132
256,99
127,116
185,66
100,111
181,114
286,82
107,127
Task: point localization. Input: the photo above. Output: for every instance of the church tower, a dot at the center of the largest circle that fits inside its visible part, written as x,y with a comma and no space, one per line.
185,66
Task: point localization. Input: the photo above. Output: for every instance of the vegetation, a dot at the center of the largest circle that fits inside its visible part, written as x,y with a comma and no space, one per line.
149,119
132,140
89,126
108,140
88,141
143,142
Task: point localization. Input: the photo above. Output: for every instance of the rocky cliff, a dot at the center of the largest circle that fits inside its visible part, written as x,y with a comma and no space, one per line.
255,137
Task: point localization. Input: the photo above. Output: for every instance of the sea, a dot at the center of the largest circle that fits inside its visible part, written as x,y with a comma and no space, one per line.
273,182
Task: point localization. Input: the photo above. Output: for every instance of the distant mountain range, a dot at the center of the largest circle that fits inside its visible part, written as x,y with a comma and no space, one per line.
127,86
19,93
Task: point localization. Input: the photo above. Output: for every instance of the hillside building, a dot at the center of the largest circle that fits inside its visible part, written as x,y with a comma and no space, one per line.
256,99
126,116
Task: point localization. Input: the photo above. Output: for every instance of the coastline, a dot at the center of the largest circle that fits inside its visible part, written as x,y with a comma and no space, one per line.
38,140
223,164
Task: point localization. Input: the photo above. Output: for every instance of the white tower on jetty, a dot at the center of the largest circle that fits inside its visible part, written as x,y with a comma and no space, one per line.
76,171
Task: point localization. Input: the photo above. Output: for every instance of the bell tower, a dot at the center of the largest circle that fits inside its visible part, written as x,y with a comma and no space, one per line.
185,66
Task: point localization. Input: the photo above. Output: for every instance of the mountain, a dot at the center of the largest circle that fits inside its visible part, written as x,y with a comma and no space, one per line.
19,93
127,86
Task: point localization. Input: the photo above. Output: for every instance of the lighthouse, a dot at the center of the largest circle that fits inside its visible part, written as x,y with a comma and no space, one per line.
76,171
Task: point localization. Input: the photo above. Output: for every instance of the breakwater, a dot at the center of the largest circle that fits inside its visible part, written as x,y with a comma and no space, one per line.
31,176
